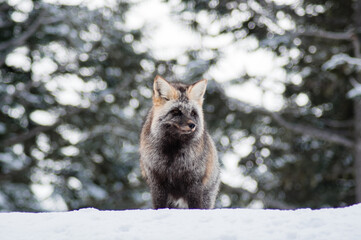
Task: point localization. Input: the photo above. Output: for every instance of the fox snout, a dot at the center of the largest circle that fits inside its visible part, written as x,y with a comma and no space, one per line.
186,128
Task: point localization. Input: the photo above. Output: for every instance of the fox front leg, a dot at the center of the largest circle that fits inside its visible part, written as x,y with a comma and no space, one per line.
159,196
195,197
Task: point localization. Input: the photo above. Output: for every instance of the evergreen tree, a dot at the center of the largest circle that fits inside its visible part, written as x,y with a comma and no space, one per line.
71,82
313,155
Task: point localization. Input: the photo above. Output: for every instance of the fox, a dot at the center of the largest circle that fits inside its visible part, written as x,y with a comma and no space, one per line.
178,158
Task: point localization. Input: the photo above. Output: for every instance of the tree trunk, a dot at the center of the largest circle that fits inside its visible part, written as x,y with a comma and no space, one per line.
357,151
357,105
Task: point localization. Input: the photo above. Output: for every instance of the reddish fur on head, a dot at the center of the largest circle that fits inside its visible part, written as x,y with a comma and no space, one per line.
164,91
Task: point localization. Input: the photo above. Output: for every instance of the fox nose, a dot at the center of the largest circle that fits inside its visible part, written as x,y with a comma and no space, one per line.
191,125
187,128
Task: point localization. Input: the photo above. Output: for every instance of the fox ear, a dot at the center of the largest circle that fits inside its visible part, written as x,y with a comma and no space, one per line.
163,89
196,91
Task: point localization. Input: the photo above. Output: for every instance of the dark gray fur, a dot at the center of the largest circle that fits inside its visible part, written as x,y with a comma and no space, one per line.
181,170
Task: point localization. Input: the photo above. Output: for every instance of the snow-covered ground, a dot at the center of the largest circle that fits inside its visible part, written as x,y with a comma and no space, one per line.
253,224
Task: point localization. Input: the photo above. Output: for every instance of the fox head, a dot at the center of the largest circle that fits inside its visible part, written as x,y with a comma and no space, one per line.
177,109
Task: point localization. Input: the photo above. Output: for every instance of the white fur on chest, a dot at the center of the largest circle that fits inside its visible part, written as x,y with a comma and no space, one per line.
179,203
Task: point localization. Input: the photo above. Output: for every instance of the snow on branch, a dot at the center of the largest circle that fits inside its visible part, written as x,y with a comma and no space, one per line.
322,134
25,35
326,135
40,129
328,35
303,129
34,132
351,35
356,90
340,59
15,42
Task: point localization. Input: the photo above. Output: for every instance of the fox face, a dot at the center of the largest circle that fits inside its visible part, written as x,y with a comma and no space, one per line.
177,109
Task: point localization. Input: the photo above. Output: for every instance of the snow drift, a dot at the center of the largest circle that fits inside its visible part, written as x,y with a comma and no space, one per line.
88,224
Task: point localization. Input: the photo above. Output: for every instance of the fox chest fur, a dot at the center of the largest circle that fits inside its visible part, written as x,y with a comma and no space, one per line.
178,158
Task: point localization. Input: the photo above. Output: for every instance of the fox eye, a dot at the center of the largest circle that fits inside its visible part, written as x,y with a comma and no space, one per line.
193,114
176,112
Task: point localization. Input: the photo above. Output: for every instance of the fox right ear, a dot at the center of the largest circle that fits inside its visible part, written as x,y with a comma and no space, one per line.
163,89
196,91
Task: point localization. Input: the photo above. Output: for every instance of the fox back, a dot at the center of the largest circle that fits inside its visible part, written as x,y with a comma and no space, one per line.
178,158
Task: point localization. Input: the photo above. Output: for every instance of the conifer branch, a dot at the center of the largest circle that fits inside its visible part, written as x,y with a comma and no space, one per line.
40,129
328,35
322,134
303,129
17,41
37,130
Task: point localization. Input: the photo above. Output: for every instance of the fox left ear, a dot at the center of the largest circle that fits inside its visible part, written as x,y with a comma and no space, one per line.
163,89
196,91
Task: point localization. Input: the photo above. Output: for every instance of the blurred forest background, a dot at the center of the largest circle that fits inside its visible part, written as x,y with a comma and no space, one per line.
76,82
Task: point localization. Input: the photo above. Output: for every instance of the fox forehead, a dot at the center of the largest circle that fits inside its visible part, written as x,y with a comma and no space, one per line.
185,106
181,89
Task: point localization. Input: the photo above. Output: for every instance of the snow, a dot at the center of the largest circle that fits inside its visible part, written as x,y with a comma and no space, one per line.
340,59
253,224
356,90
